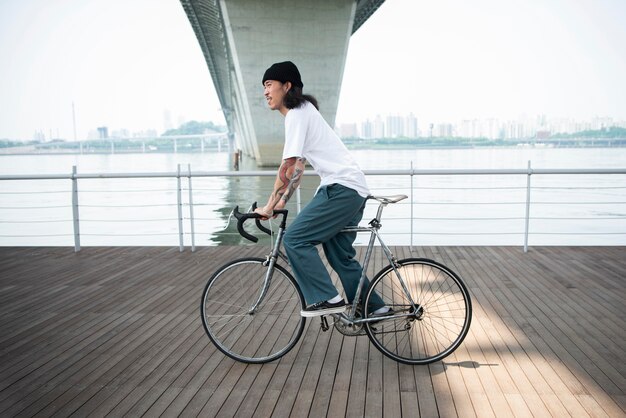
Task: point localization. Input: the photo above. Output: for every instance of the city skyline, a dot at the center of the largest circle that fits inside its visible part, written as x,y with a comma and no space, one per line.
410,126
123,65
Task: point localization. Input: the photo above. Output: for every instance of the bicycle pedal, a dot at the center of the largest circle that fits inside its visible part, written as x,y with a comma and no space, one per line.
325,326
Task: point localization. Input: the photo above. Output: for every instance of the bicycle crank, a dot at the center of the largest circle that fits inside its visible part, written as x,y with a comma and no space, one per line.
325,326
349,330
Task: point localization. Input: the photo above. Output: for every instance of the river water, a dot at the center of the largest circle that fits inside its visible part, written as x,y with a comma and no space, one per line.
446,209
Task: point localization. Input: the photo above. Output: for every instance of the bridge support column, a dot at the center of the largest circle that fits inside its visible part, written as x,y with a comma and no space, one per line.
313,34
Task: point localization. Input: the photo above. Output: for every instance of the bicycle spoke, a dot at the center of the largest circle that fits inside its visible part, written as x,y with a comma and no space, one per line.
441,322
246,324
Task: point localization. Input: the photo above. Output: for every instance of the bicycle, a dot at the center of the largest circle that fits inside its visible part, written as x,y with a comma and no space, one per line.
251,306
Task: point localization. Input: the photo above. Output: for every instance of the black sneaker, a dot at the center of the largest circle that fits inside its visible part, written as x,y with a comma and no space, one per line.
323,308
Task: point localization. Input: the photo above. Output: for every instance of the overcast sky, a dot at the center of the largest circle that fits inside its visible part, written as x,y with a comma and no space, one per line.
123,63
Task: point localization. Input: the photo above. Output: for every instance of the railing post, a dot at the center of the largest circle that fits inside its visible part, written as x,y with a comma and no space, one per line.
527,218
180,212
75,210
411,245
193,230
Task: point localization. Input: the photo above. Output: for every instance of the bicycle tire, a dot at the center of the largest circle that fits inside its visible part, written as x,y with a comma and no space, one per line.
433,332
260,337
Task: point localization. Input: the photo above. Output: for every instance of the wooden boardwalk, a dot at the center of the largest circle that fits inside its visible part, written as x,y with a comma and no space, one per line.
117,332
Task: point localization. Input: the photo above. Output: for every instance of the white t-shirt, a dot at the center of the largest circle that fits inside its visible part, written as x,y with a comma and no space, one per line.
308,135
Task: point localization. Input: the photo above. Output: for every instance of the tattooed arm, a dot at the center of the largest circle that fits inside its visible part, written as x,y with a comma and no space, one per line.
287,181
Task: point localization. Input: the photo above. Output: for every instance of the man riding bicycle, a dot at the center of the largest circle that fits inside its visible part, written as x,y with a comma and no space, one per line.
339,201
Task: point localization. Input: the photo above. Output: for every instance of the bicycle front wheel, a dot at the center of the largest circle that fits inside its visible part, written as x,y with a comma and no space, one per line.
247,323
432,329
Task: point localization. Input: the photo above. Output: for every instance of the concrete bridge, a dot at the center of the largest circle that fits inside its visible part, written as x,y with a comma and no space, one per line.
242,38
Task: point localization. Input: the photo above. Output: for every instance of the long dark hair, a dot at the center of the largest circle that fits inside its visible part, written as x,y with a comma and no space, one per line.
294,98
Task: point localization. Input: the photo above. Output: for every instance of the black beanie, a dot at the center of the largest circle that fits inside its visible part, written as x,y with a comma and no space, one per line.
283,72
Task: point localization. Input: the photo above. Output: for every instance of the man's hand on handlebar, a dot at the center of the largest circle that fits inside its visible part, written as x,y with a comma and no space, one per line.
264,212
267,212
258,214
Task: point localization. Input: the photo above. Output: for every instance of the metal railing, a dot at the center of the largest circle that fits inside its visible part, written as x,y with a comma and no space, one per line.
418,198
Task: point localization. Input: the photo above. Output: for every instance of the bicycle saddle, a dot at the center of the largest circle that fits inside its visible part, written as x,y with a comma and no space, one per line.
389,199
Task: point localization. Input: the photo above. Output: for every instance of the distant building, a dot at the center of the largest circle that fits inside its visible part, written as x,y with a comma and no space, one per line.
103,132
378,128
444,130
469,128
39,136
366,129
514,130
394,127
491,129
411,128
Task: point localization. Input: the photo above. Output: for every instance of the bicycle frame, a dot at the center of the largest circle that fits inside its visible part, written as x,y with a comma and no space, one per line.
374,235
375,225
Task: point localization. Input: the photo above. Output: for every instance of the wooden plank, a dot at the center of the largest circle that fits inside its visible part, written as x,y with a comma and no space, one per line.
221,391
443,394
528,365
577,361
44,373
393,404
196,367
358,382
293,383
70,369
147,365
117,332
374,380
328,375
310,379
574,311
341,388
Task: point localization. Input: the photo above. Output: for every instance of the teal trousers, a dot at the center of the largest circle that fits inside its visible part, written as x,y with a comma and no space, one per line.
333,208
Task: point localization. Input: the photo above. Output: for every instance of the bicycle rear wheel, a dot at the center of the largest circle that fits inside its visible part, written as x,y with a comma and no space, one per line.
252,336
439,324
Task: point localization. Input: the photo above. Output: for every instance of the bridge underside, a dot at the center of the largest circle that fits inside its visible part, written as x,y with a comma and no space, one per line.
241,38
